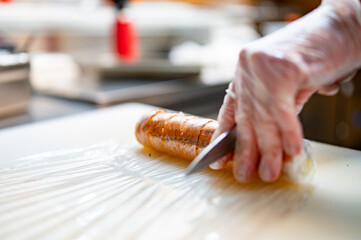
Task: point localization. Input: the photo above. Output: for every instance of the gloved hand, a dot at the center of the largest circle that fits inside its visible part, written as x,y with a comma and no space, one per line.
276,75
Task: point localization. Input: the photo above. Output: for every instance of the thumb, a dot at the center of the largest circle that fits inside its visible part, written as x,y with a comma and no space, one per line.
226,122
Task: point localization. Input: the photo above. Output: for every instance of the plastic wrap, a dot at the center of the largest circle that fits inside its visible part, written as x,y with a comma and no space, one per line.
107,190
110,191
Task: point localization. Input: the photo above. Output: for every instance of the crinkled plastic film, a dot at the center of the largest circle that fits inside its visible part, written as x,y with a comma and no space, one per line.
112,191
109,191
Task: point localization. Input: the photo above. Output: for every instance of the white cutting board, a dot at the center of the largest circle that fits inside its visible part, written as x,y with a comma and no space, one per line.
113,191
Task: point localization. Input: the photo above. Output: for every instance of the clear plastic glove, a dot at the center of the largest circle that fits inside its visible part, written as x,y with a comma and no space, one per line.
276,75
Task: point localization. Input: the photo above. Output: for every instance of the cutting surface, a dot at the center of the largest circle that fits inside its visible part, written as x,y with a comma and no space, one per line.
119,190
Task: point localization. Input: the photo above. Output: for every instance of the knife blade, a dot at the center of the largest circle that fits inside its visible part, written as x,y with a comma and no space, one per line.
220,147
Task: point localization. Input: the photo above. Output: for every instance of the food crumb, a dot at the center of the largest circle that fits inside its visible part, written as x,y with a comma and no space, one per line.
348,164
150,154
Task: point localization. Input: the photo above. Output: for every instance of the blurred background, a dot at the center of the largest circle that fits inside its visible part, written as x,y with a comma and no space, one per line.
61,57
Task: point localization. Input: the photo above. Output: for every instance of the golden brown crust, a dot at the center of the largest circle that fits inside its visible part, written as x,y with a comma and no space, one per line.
206,135
156,128
190,135
142,126
177,134
171,134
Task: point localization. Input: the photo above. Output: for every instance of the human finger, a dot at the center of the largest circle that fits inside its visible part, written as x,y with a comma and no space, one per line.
226,122
334,88
245,159
330,90
269,144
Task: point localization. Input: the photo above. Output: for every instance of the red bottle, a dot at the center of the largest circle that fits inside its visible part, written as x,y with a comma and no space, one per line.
126,40
125,36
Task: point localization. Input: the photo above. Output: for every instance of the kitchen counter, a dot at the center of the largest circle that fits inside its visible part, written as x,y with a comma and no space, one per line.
43,107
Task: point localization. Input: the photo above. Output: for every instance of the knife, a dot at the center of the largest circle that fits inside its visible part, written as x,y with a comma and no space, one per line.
220,147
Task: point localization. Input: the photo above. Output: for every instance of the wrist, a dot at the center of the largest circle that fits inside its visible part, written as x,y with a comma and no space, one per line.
345,18
345,8
333,41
